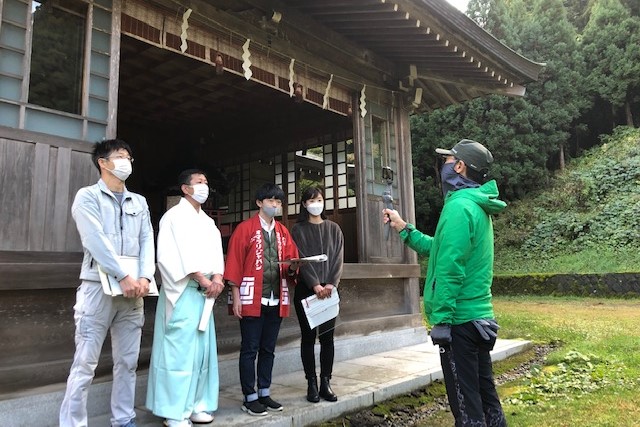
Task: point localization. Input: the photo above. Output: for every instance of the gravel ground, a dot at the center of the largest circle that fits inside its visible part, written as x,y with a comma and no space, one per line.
404,416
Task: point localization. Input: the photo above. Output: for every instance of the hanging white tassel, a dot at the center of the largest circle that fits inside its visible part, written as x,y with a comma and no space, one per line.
325,100
363,102
185,26
246,64
292,75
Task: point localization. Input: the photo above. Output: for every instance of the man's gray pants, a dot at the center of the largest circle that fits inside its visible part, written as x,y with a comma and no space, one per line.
95,314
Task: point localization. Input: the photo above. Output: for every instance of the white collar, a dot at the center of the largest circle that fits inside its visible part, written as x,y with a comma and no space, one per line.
266,226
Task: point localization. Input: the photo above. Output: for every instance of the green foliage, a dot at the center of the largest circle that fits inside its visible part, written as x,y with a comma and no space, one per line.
591,207
594,371
522,133
611,45
589,379
575,376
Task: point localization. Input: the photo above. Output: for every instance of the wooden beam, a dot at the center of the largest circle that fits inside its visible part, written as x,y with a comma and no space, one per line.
114,67
368,25
368,17
39,270
54,141
380,271
309,44
40,186
352,10
321,4
378,33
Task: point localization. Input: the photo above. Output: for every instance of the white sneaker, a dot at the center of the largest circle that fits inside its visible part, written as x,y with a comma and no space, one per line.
201,418
177,423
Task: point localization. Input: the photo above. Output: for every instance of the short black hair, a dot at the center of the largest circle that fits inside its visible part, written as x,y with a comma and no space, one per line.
268,191
103,149
185,176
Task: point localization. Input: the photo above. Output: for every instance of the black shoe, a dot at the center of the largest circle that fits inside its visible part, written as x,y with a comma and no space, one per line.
312,390
270,404
325,390
254,408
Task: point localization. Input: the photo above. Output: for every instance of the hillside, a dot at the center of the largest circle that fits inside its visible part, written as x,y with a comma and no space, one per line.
587,222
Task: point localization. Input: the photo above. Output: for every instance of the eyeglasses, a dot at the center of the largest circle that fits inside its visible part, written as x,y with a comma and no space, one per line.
119,157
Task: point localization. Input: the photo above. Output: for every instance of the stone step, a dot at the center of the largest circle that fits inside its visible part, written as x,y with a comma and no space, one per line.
42,404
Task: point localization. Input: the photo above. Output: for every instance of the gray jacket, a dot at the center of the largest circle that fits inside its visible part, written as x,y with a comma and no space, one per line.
108,229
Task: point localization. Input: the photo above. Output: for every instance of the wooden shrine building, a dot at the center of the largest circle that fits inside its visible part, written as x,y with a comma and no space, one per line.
252,91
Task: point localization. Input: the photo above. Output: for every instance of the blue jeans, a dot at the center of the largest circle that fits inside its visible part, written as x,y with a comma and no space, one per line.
259,336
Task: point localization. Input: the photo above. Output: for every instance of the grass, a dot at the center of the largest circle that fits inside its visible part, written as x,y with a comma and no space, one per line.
605,332
588,260
591,379
598,390
586,221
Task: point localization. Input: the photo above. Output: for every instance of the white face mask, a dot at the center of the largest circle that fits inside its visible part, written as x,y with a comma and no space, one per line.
121,169
315,208
200,192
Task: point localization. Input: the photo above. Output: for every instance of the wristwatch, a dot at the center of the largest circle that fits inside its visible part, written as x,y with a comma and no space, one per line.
408,228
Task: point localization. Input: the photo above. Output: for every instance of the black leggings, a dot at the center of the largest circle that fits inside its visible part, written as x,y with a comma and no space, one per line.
325,333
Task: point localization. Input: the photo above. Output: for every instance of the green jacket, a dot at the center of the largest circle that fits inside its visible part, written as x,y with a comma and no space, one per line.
460,269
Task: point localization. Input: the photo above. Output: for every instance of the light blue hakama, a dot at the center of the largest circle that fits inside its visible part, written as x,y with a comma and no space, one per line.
183,376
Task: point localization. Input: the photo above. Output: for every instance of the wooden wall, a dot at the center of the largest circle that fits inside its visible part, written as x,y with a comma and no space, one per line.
37,329
373,245
38,183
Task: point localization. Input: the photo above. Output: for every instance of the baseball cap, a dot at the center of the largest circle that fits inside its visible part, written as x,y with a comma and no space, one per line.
472,153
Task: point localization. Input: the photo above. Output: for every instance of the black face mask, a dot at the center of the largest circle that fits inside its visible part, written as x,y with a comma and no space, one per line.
452,180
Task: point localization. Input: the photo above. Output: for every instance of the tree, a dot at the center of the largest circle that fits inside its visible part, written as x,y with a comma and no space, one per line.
522,133
546,34
578,12
611,45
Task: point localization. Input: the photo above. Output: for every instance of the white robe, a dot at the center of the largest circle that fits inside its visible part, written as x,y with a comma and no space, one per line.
183,374
188,242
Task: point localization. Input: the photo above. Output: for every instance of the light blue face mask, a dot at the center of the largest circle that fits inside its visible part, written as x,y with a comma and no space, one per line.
452,180
271,211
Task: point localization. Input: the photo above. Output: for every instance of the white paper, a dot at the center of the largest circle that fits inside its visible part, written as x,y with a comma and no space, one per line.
206,313
315,258
130,265
319,310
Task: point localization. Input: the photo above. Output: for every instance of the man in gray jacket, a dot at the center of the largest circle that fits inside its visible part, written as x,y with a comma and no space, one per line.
112,222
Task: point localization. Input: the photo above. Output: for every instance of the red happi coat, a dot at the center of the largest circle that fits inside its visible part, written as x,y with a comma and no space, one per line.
244,265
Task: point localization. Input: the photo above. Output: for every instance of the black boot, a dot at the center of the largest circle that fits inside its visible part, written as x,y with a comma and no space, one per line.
312,390
325,390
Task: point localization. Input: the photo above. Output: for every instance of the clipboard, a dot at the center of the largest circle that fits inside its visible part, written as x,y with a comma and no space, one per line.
319,311
131,265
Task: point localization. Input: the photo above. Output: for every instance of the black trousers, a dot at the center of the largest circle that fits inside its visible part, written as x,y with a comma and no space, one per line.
307,347
468,377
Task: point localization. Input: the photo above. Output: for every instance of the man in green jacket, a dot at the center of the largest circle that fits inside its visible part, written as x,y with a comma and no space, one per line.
457,292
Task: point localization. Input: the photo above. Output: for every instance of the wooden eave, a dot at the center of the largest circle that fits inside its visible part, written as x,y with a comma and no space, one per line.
394,46
435,46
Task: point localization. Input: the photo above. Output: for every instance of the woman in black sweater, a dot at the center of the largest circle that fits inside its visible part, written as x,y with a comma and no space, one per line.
316,235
